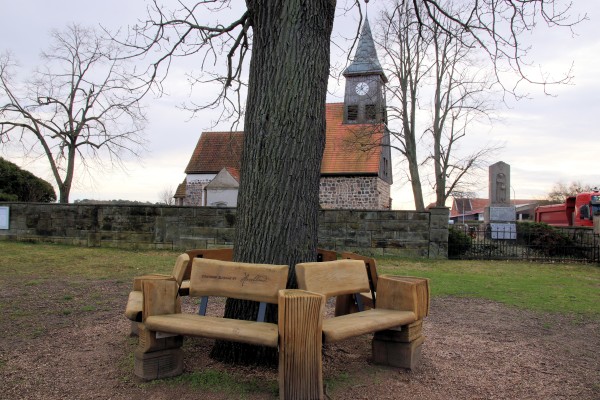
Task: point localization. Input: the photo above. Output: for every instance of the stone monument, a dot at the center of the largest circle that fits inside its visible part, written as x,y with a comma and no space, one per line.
500,215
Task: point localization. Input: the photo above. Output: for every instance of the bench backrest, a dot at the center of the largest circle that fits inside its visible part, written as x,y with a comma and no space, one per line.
326,255
213,254
370,265
333,278
243,281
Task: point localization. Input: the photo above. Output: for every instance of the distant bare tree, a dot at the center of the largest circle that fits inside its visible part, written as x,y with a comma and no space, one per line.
165,196
560,191
77,108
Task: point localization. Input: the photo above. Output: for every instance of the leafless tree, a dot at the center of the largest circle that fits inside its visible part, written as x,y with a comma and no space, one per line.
499,28
461,98
434,61
165,196
78,107
560,191
405,46
284,119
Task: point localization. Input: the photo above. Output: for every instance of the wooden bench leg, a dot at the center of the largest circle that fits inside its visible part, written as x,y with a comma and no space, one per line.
300,345
399,348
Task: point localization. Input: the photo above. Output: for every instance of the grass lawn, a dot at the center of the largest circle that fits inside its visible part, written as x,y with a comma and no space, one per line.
563,288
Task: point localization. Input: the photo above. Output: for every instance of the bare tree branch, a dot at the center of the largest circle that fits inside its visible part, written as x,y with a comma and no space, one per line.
79,106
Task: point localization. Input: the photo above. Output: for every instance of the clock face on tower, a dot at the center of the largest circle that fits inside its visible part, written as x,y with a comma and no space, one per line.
362,88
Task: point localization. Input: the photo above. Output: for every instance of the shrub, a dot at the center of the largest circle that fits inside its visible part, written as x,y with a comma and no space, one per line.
458,242
17,184
545,238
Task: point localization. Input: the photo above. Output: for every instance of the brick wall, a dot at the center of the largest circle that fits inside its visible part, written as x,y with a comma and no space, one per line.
406,233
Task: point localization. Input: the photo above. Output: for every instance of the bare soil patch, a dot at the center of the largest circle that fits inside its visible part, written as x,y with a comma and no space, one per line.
69,340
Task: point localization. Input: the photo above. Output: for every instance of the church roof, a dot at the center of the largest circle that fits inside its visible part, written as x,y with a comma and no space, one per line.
351,149
365,59
181,191
215,151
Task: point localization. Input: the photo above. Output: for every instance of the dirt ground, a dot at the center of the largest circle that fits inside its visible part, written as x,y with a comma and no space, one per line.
69,340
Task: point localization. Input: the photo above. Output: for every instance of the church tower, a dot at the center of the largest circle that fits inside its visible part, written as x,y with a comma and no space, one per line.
364,99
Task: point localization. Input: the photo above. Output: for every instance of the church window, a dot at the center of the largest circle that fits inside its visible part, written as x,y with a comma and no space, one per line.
352,113
370,112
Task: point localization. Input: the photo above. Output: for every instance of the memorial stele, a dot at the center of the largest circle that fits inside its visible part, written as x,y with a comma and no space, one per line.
500,215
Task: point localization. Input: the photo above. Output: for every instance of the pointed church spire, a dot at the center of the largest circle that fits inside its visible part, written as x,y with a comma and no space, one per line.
365,59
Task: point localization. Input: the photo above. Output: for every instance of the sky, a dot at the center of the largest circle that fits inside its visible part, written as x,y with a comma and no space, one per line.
545,139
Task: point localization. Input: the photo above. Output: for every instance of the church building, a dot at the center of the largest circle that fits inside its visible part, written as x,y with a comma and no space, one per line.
356,170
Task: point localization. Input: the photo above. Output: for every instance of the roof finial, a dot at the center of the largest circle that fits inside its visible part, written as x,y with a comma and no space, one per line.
366,8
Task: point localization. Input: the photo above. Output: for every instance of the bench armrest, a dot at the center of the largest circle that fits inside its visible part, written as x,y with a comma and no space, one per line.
137,281
160,297
403,293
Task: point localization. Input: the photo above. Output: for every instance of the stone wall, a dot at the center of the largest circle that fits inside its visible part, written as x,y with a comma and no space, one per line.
405,233
194,193
359,192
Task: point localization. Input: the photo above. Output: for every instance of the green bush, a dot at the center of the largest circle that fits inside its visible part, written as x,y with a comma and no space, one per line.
16,184
8,197
545,238
458,242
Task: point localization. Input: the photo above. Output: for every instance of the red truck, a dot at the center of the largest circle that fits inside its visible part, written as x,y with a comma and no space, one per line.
578,210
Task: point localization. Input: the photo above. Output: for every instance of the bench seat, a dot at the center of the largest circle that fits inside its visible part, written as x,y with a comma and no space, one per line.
251,332
350,325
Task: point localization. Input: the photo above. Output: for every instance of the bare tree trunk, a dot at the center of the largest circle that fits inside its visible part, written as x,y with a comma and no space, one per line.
278,200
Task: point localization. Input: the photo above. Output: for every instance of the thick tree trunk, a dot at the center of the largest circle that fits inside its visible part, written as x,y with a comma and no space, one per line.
278,200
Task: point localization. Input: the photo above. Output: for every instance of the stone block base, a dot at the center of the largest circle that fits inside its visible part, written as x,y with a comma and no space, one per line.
397,354
158,364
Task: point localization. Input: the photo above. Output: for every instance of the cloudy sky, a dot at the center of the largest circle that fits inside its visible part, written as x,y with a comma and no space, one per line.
546,139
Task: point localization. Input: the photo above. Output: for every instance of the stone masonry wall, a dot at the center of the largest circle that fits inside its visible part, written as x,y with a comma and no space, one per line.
193,193
405,233
359,192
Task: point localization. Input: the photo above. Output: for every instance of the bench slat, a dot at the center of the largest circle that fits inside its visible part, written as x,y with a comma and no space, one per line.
251,332
350,325
243,281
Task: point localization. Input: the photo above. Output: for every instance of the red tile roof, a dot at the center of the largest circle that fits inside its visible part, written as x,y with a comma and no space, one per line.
349,149
234,172
215,151
181,190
